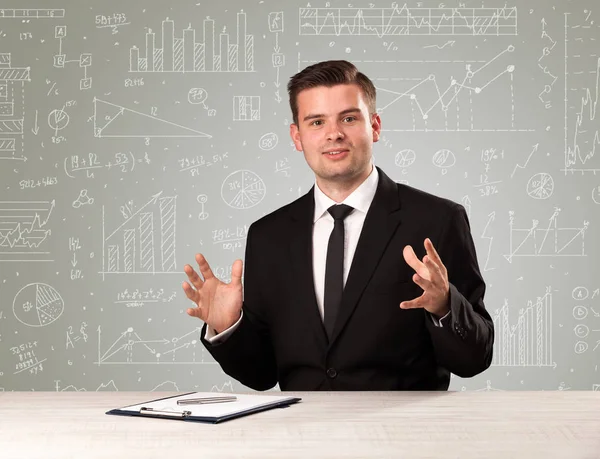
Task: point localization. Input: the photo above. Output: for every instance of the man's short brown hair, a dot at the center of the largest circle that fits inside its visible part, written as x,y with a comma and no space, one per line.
330,73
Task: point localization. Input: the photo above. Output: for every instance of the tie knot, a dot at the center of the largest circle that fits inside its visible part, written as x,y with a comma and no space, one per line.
340,211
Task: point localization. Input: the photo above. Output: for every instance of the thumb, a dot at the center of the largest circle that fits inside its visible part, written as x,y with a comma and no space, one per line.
236,272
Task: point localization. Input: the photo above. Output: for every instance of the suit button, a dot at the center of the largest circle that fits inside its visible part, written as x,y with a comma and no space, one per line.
332,373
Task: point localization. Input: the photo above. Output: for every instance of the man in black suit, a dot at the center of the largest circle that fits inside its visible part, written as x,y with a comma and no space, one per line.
328,302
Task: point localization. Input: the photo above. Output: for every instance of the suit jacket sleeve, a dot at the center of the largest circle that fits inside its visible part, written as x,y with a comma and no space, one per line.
464,344
247,354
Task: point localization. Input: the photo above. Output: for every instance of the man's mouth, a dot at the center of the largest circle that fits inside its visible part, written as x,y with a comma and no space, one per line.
334,152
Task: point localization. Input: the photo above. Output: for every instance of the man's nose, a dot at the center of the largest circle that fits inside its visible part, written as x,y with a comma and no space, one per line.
335,132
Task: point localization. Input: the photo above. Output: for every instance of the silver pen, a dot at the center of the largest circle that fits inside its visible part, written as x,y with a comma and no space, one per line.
202,400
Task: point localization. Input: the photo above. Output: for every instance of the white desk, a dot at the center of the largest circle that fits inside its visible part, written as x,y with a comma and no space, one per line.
532,425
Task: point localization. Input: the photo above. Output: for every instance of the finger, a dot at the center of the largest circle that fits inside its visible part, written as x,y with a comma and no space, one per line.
190,292
422,282
435,256
236,272
434,273
193,276
411,258
204,267
412,304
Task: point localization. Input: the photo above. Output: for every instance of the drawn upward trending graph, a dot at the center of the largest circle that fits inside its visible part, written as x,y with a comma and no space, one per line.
458,97
145,242
185,54
408,21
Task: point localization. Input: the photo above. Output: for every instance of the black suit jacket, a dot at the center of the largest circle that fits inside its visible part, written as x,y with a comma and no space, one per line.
375,344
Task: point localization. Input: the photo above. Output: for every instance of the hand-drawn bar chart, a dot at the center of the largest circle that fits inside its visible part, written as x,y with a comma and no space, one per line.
145,242
408,21
529,341
168,53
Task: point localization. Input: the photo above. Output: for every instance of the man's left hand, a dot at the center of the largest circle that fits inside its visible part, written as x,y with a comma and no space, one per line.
432,277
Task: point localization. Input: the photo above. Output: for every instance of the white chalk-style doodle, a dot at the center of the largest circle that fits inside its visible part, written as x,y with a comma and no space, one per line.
225,387
282,165
111,120
490,239
277,57
405,158
84,61
145,243
444,159
246,108
31,13
184,54
131,349
110,386
549,241
518,166
544,96
268,141
582,137
83,199
202,199
123,162
113,21
596,194
12,108
166,386
197,96
455,98
398,21
58,120
528,342
27,359
243,189
540,186
24,231
72,338
38,305
138,298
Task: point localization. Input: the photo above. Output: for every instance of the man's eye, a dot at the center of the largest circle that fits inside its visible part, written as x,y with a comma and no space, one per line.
316,121
350,118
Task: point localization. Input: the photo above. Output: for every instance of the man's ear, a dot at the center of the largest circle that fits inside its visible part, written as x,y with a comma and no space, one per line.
376,126
295,135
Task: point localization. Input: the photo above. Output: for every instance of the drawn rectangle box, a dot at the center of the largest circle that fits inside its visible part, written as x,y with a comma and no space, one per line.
7,145
7,109
85,83
4,91
59,61
278,59
85,60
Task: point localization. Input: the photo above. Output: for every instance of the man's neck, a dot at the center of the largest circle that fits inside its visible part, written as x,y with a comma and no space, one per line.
338,191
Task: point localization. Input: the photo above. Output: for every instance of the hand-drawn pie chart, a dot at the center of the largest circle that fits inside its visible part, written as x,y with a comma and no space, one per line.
243,189
38,305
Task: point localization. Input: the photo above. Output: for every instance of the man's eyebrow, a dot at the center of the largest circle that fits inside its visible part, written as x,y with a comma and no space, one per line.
319,115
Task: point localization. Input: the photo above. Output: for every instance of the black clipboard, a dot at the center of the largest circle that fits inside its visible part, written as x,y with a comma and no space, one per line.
182,416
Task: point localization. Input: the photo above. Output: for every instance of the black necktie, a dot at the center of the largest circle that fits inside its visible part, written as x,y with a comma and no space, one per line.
334,270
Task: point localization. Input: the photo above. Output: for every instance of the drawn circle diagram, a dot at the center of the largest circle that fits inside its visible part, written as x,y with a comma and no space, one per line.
405,158
540,186
57,120
444,158
268,141
580,293
580,312
596,195
243,189
581,331
38,305
197,96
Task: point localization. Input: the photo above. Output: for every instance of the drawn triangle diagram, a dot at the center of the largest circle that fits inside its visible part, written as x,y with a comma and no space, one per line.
111,120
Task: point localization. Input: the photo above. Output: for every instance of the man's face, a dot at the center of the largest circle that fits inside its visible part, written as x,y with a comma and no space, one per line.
336,120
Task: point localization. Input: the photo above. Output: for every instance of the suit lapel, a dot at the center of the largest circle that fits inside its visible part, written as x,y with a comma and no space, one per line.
301,232
380,224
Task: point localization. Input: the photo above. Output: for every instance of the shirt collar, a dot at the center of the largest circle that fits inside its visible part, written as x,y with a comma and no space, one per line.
360,199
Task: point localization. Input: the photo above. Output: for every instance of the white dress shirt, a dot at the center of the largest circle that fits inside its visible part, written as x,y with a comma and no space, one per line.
360,199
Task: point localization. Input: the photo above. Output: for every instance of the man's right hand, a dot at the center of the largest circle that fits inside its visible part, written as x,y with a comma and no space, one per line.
217,303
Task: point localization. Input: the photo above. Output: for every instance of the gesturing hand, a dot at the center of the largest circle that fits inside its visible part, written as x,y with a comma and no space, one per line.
217,303
432,277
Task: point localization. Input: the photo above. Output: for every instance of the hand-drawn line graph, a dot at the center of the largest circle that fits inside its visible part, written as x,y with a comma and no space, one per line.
111,120
582,141
408,21
23,230
243,189
38,305
10,13
130,349
12,108
186,55
528,343
551,241
110,386
145,242
456,103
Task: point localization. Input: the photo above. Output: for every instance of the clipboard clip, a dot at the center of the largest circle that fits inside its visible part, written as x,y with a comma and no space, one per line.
174,414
